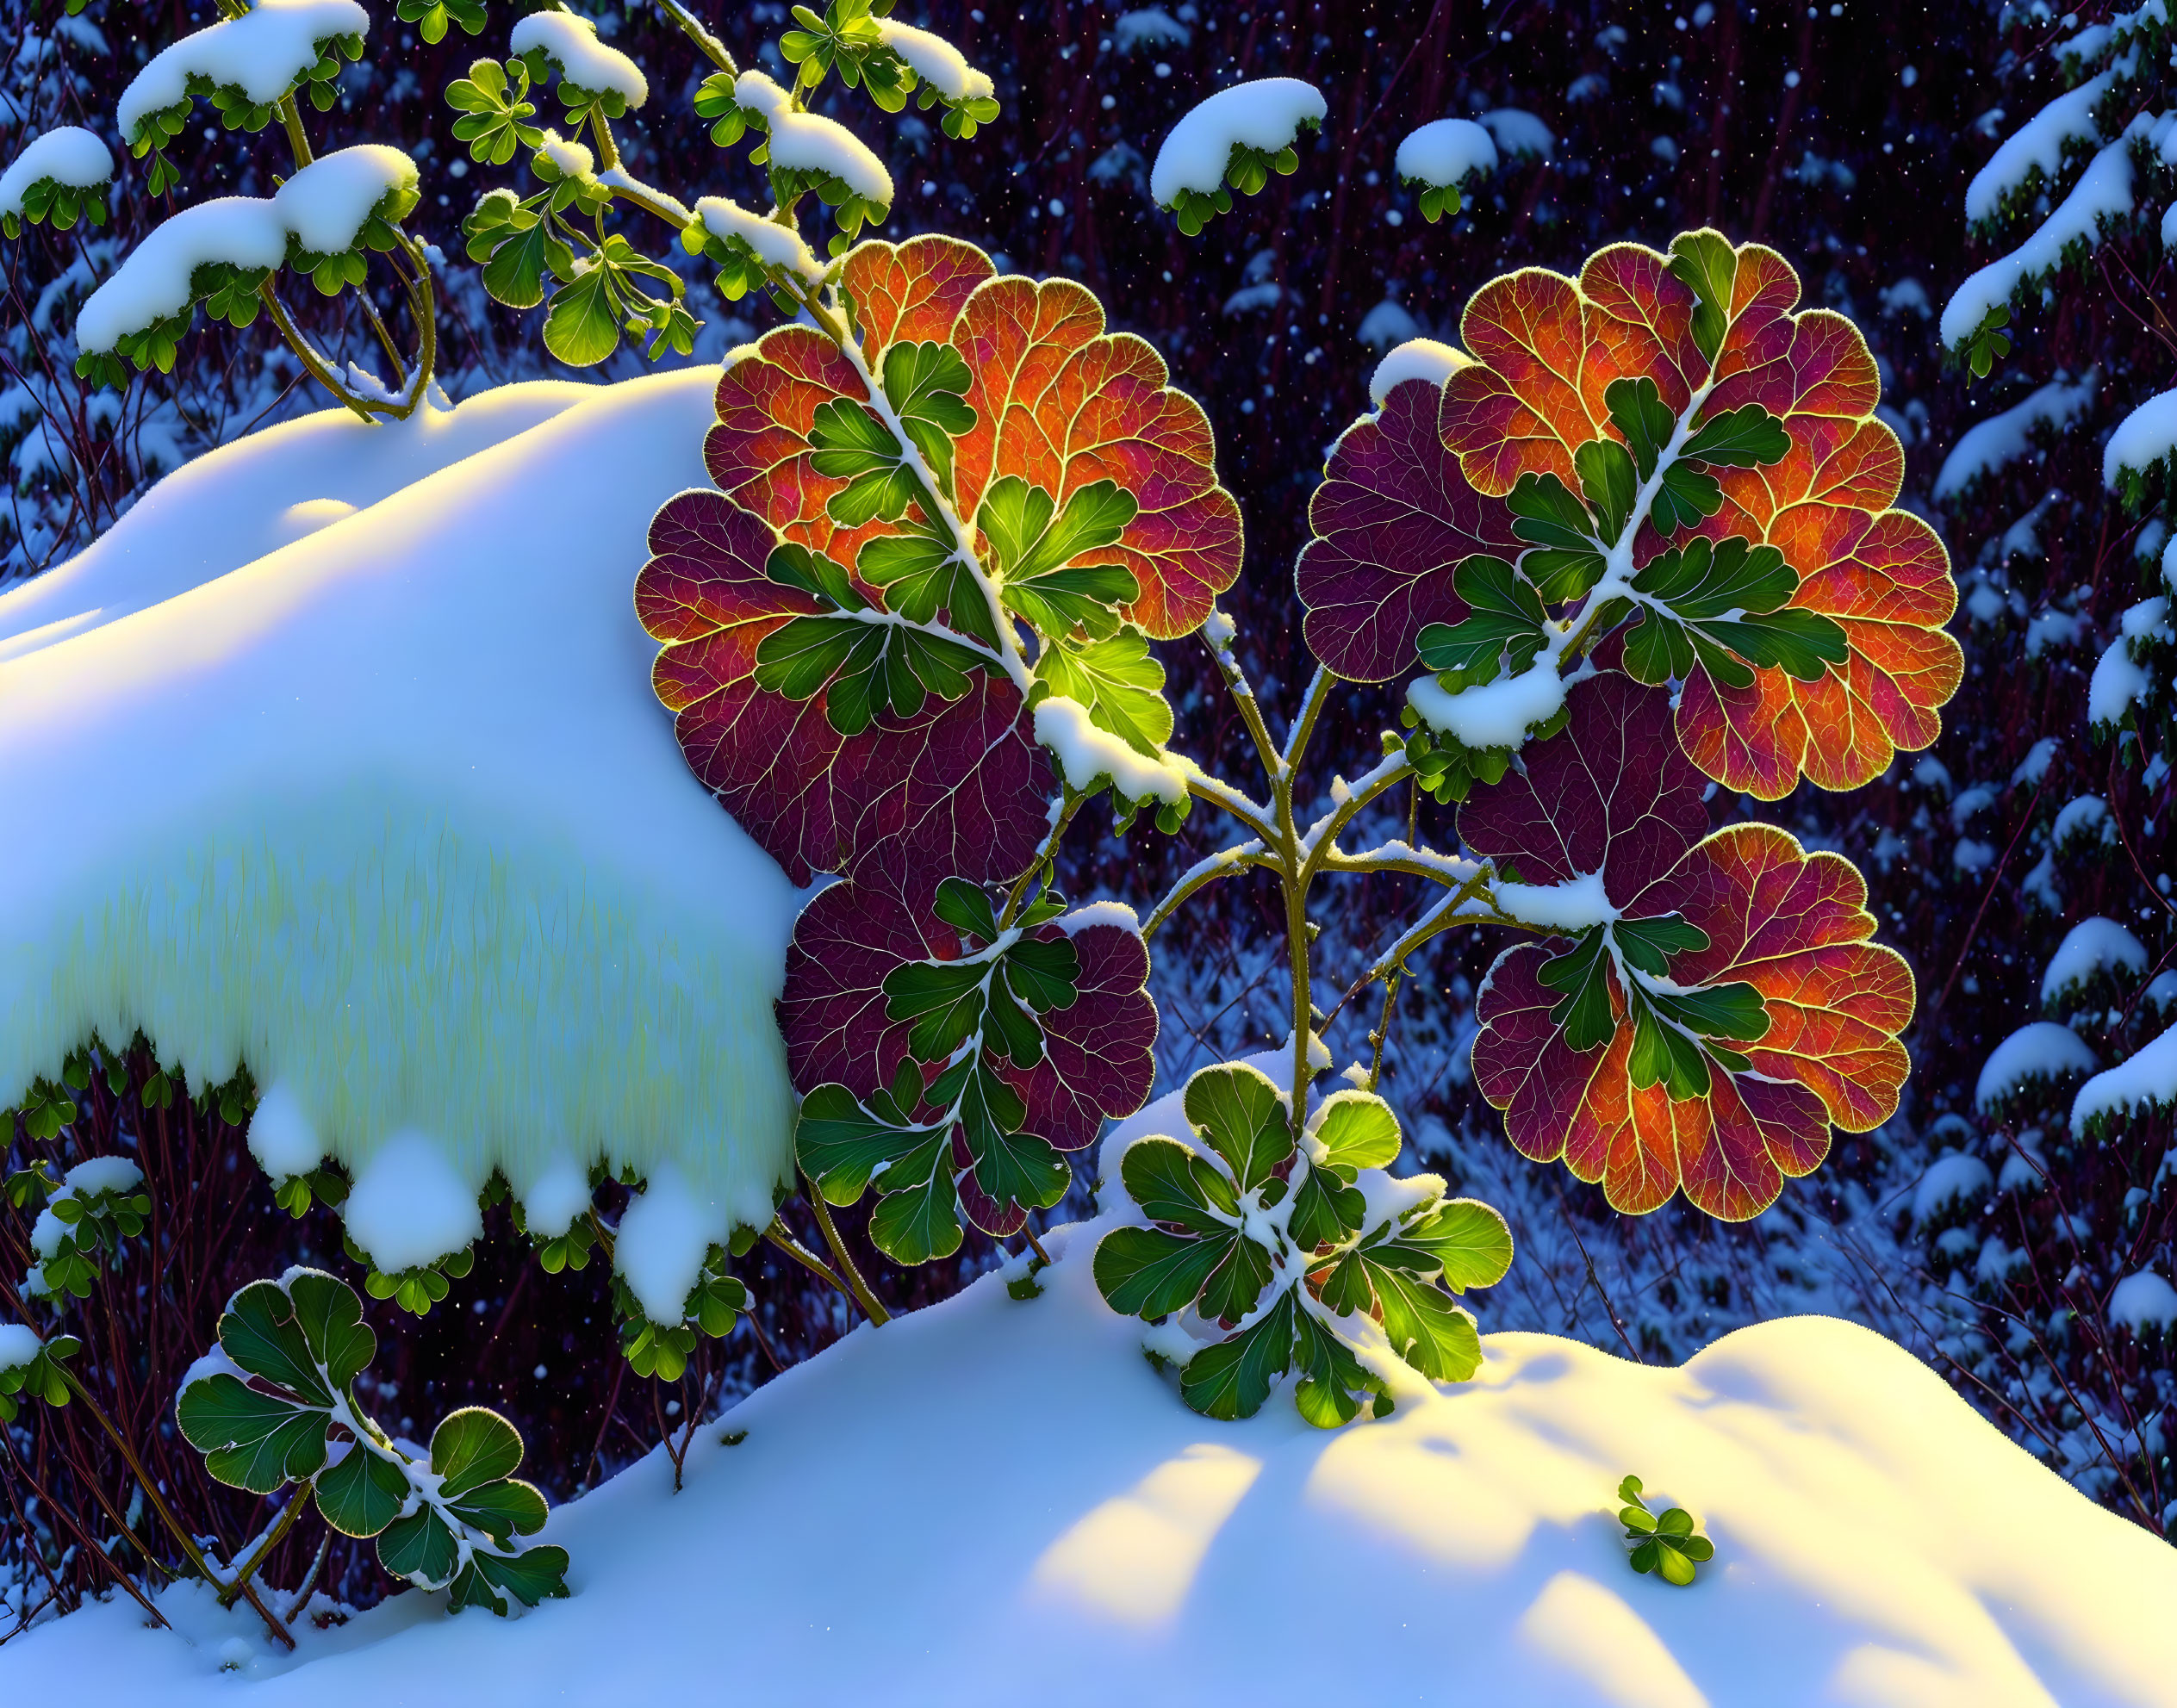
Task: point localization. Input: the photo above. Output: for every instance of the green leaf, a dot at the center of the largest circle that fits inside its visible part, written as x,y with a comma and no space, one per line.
1146,1272
1648,944
1803,644
851,443
943,999
840,1145
925,575
330,1319
1731,599
1704,262
966,908
1175,1185
1607,476
1630,1488
581,326
259,1332
421,1548
1325,1211
1746,438
502,1509
530,1576
812,573
1684,497
1433,1335
1237,1284
1241,1115
1674,1566
1568,560
926,385
1676,1521
918,1218
1468,1239
1232,1379
251,1440
1505,618
1638,411
1120,682
1357,1130
514,273
1663,1055
1636,1518
361,1494
472,1447
1583,972
1332,1379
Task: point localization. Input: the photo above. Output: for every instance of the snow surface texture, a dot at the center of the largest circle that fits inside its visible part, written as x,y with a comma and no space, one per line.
407,829
1877,1543
802,142
262,53
1446,152
571,43
1986,446
69,156
324,206
1418,358
2147,1080
1267,113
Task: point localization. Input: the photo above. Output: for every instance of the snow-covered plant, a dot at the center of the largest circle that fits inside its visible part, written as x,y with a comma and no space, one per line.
276,1404
1666,1543
324,223
82,1219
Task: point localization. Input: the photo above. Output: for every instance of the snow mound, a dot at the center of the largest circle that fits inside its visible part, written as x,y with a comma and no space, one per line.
2038,144
774,244
1953,1180
1518,133
803,142
571,43
325,203
2147,1080
2089,948
403,825
2143,1302
1444,151
261,53
2039,1050
936,61
1265,114
1986,445
67,154
1034,1513
1418,358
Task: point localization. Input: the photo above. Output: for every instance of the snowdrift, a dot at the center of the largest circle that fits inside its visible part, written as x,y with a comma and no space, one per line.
351,770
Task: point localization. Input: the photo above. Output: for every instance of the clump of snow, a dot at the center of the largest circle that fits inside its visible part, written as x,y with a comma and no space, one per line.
1077,919
1148,27
262,53
560,1192
1518,133
2039,143
571,159
936,61
2147,1080
1265,114
280,1137
2102,197
1418,358
1086,753
1571,906
1497,714
570,42
774,244
1906,296
2084,820
409,1206
1219,629
1877,1541
1953,1179
2089,949
1445,151
325,203
1248,298
95,1175
68,155
154,283
19,1346
2142,438
663,1237
2142,1302
2040,1050
406,829
2120,680
802,142
1987,445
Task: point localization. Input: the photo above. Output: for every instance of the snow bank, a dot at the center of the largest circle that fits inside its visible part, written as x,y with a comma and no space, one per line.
325,203
68,155
2039,1050
1987,445
1035,1517
1445,152
2091,947
2142,1302
936,61
2102,195
2147,1080
404,827
1418,358
802,142
1265,114
571,43
262,53
2039,143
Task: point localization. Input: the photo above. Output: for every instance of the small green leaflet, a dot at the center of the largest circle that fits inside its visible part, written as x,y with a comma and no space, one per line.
926,385
1035,549
1668,1545
1746,438
1582,972
863,667
1706,264
852,445
1675,1032
1608,479
816,575
1638,411
1723,605
926,576
1504,621
1120,682
1567,560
